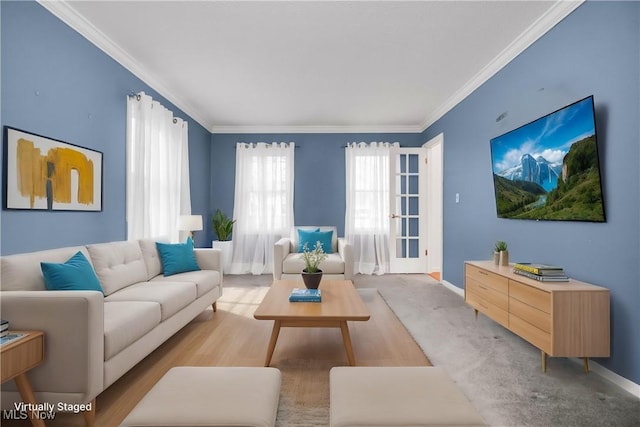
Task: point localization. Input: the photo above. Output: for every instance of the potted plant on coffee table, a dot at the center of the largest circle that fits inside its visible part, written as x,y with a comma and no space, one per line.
223,227
311,275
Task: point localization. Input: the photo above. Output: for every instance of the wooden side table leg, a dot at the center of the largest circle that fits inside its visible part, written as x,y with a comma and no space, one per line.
585,363
544,361
214,306
26,393
90,416
272,342
346,339
476,313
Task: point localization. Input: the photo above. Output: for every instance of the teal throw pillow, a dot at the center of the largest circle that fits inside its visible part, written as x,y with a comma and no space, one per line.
76,274
310,237
177,257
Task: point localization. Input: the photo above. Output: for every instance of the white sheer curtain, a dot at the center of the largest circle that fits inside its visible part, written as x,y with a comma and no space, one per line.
263,204
158,189
367,213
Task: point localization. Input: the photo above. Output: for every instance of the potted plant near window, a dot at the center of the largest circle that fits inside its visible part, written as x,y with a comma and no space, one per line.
223,227
311,275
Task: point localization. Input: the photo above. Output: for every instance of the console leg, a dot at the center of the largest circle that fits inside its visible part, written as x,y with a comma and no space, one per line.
544,361
585,363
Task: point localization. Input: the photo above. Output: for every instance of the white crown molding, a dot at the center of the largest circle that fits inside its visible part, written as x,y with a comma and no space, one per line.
67,14
540,27
71,17
314,129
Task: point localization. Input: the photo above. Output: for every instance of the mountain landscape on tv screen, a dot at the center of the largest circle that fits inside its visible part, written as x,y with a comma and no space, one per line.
548,169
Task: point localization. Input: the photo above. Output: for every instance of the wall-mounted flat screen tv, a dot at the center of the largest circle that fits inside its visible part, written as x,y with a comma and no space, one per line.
549,169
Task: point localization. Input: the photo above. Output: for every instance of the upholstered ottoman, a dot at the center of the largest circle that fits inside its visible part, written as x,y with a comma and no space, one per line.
398,396
210,396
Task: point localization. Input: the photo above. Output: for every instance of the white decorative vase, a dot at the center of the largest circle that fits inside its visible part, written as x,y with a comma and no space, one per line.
226,247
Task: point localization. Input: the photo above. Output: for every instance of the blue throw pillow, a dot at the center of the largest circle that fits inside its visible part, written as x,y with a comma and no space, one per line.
310,237
74,275
177,257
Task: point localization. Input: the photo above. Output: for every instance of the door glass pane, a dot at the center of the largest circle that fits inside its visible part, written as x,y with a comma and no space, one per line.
401,248
413,206
413,227
413,248
403,232
413,184
413,163
403,163
403,184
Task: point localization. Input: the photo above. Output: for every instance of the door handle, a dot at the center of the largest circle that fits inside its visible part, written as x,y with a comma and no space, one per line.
393,216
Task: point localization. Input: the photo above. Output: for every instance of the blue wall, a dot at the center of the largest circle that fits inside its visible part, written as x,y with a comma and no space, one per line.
319,190
596,50
57,84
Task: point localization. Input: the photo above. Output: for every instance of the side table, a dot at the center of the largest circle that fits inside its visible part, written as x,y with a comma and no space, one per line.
20,356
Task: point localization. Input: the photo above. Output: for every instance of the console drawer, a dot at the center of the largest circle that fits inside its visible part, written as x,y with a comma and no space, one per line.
532,315
487,293
487,308
530,296
487,278
527,331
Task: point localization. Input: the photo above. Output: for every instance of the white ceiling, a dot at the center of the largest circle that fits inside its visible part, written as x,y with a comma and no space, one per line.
313,66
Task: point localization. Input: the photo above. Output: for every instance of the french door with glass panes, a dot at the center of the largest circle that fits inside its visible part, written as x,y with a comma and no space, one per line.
407,218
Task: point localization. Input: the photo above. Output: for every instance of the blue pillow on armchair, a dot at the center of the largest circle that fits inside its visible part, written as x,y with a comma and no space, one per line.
310,237
177,257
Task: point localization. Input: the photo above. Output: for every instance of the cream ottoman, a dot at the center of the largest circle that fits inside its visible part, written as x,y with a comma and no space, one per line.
210,396
397,396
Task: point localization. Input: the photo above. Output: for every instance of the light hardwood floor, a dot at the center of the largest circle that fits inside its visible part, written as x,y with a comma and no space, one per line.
232,337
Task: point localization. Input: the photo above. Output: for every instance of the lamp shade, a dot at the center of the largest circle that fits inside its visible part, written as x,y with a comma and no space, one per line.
190,222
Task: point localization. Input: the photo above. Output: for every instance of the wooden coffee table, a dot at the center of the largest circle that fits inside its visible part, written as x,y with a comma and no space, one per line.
340,303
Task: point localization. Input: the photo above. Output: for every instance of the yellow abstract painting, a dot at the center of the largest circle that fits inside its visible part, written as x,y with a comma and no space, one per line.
43,173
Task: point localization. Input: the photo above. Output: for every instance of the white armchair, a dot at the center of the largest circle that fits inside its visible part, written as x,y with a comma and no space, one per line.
288,262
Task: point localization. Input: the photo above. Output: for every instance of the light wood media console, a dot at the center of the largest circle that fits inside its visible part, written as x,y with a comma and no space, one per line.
562,319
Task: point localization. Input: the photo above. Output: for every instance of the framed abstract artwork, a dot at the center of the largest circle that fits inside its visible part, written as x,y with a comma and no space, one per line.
42,173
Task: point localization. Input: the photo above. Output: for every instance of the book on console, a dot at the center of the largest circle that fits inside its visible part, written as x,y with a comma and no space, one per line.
305,295
541,278
540,269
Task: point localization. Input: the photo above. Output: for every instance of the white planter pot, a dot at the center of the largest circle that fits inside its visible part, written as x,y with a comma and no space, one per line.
226,248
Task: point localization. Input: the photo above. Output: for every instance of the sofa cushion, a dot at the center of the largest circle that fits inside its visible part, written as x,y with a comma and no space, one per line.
205,280
177,257
151,256
172,296
118,264
294,263
76,274
127,321
22,272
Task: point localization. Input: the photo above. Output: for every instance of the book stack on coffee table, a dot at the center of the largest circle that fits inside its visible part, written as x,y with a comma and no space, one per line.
305,295
541,272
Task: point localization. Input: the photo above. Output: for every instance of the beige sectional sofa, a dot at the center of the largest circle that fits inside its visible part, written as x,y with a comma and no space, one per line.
92,339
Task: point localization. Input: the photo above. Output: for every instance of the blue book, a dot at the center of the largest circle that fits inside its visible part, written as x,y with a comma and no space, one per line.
305,295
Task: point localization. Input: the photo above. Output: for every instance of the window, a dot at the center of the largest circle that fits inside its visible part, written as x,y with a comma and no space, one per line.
263,204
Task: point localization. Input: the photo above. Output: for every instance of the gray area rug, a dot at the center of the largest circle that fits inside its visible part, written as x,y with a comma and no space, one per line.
498,371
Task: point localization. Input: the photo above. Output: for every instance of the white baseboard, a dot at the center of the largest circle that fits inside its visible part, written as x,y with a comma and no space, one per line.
611,376
605,373
453,288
